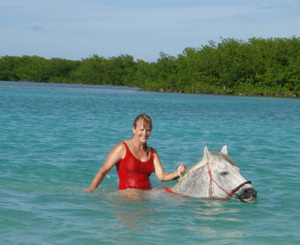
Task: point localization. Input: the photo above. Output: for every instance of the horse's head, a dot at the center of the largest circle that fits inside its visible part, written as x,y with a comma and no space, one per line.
216,176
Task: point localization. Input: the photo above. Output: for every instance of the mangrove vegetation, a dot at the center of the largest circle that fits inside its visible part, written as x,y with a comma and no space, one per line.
257,66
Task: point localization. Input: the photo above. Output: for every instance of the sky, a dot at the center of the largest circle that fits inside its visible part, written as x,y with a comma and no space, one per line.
78,29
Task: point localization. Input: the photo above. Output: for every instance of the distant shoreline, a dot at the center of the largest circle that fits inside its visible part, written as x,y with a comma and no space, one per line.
180,92
257,67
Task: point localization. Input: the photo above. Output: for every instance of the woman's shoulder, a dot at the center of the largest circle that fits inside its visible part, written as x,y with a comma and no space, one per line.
120,148
124,143
153,150
121,145
118,152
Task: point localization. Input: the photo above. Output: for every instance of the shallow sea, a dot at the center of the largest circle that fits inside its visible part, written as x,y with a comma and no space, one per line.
55,137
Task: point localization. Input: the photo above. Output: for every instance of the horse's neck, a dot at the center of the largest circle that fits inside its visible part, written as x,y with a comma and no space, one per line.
195,182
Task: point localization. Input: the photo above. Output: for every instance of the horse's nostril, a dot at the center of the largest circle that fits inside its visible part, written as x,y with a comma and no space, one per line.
250,191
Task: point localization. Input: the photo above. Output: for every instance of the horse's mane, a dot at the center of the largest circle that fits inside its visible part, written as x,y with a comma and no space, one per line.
224,156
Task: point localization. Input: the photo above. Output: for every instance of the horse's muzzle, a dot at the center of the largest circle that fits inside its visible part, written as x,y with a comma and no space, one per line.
248,195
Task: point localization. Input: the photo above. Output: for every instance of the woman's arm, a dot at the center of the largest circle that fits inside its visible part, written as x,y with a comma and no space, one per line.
117,153
160,172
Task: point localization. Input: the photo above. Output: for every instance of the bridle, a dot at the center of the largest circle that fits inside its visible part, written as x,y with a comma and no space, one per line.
228,193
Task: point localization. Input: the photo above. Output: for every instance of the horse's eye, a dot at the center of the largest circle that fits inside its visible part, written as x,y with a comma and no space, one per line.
223,173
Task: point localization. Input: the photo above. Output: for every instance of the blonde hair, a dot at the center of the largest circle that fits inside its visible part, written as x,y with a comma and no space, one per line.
145,118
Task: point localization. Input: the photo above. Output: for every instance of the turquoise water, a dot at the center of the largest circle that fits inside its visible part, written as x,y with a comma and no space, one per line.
55,137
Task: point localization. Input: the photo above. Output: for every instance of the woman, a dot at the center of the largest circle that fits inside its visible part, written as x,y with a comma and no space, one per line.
135,161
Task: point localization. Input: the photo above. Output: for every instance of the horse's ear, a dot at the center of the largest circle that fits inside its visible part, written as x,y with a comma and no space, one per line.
206,153
224,150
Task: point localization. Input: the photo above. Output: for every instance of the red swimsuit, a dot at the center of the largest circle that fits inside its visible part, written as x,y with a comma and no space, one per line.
134,173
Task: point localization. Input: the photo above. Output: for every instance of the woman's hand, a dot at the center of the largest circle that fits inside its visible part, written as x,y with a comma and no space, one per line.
180,169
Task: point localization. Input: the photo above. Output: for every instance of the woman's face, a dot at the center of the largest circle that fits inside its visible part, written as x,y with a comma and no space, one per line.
142,131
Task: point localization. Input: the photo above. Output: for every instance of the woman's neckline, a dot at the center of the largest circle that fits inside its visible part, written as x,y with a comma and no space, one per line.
148,153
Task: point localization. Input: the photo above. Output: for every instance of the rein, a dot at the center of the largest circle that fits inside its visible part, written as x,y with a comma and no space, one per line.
169,190
228,193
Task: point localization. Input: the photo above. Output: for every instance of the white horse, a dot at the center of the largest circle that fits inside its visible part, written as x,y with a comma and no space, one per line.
216,176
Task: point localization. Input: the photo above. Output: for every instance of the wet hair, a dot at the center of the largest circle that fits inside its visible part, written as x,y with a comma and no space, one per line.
145,118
